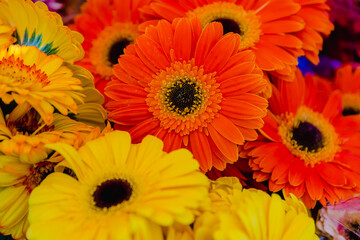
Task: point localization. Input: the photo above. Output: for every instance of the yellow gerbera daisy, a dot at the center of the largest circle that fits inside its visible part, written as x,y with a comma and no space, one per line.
34,80
124,190
251,214
18,178
36,26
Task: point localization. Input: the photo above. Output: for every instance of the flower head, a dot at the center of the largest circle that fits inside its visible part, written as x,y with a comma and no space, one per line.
252,214
32,79
347,80
277,31
108,27
25,162
340,221
198,92
36,26
307,150
124,190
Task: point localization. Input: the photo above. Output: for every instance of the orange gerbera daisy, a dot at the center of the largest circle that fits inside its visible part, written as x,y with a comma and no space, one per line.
266,26
347,80
316,16
108,27
307,150
190,87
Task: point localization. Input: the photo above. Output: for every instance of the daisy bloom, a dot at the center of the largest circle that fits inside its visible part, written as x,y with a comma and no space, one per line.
197,92
124,190
251,214
347,80
28,135
25,163
265,27
36,26
32,79
108,27
17,180
307,149
341,221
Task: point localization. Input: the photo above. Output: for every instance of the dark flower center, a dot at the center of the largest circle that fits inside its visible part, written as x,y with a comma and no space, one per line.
229,25
307,136
117,49
350,111
28,124
355,227
112,192
183,97
38,172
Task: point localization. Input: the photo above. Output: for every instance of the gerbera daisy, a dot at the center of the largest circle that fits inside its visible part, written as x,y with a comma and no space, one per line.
108,27
25,162
308,151
251,214
265,27
36,26
347,80
32,79
124,190
28,135
315,13
197,92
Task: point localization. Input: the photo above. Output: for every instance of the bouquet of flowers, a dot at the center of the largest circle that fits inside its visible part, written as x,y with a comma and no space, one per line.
178,120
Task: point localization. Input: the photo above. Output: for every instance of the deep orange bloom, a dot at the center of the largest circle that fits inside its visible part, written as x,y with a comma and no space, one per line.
273,29
108,27
192,88
308,151
347,80
315,13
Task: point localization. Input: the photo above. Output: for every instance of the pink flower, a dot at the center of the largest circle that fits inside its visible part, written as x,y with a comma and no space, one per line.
341,221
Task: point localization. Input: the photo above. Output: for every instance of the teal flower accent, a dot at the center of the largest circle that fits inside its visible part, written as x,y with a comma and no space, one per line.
36,41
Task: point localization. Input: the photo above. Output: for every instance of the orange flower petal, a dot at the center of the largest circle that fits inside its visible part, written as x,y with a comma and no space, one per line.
227,129
226,147
314,184
201,150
